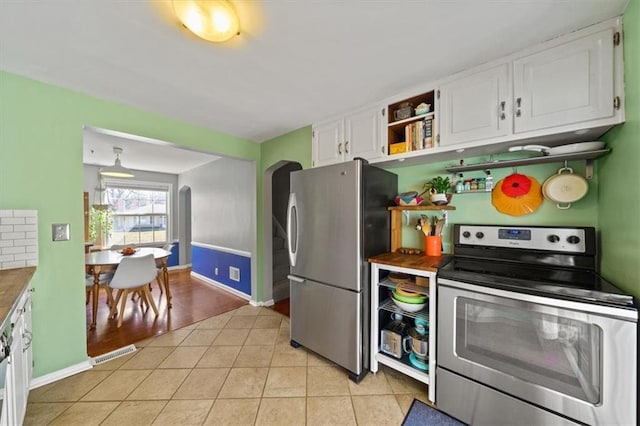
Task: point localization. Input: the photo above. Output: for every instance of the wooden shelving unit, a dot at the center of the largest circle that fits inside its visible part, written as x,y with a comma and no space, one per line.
396,220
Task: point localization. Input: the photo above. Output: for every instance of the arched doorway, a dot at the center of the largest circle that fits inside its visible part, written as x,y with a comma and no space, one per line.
276,261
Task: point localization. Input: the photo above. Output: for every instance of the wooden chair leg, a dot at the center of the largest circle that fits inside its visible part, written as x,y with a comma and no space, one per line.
144,303
114,305
150,299
124,303
109,292
87,296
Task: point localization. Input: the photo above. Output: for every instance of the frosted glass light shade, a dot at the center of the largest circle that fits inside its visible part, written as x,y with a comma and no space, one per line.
213,20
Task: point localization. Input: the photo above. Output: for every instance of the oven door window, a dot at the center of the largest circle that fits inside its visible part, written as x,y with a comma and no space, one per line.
562,354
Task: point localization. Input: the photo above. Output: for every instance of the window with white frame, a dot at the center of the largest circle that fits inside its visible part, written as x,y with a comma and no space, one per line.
139,212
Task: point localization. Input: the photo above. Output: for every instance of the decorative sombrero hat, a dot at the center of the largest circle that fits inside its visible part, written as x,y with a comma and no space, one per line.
517,195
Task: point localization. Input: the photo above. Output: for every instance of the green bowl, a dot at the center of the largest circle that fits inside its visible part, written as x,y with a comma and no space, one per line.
409,299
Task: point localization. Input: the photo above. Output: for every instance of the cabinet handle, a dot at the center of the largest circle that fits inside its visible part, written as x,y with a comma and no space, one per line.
27,334
340,148
346,147
518,105
502,114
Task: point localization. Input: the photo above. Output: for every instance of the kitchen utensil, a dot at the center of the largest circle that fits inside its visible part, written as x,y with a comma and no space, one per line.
420,298
565,188
417,343
517,195
562,149
409,307
439,227
408,201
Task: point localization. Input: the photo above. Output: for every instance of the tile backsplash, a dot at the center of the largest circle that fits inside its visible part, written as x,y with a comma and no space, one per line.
18,238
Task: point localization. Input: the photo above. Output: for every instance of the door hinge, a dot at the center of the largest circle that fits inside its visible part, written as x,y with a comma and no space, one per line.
313,133
382,149
616,38
438,138
438,94
382,112
616,102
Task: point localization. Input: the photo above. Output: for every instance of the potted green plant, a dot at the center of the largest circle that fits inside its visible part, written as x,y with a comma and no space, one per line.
100,224
438,188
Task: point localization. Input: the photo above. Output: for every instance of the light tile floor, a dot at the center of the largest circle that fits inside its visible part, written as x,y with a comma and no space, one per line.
233,369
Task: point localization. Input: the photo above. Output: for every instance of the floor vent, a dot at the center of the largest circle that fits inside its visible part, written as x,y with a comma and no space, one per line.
113,355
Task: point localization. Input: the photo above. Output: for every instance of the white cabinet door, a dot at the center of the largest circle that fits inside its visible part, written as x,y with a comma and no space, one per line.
328,145
475,107
363,134
566,84
20,362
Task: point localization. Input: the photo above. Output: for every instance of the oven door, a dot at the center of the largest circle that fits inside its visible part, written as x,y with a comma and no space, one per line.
576,359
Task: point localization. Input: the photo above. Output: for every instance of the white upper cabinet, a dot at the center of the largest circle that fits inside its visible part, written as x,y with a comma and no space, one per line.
567,84
357,134
476,107
362,134
328,145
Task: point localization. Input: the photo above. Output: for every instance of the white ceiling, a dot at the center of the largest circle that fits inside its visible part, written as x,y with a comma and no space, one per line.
295,63
139,153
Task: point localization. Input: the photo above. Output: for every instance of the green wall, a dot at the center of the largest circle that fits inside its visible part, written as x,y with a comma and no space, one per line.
41,168
294,146
619,172
477,208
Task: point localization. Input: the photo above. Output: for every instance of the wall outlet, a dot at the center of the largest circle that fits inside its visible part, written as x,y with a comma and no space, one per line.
234,273
60,232
216,271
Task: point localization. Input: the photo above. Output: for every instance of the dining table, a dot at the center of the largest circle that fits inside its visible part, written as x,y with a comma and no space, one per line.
97,262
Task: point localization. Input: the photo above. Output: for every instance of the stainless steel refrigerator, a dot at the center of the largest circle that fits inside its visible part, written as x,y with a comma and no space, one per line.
337,217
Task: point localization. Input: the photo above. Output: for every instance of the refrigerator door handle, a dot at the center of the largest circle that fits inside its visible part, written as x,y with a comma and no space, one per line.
292,226
296,279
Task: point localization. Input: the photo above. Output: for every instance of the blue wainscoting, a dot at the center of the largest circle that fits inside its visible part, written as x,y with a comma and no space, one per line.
173,260
205,259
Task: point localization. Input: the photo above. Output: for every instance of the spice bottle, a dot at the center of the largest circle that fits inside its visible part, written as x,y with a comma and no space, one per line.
460,184
488,182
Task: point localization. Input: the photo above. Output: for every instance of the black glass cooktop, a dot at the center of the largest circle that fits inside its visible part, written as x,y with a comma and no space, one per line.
573,284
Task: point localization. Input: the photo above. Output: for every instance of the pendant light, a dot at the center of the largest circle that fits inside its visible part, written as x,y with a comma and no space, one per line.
117,170
99,202
213,20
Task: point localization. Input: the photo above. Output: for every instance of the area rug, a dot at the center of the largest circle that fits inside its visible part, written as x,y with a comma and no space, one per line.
420,414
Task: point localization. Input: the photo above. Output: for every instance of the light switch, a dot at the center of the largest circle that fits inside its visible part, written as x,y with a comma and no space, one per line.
60,231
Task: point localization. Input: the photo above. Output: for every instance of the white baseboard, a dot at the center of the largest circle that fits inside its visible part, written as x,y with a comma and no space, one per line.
60,374
269,302
223,287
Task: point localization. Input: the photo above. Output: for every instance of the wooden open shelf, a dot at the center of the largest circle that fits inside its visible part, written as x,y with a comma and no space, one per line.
396,220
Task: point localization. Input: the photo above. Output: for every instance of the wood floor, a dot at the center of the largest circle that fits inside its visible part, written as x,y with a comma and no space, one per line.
282,307
193,301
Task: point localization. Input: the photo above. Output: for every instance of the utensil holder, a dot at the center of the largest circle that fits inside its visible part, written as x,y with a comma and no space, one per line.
433,245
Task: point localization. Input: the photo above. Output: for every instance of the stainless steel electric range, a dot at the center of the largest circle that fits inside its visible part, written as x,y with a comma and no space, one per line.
529,333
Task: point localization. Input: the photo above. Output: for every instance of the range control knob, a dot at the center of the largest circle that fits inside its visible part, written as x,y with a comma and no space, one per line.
479,235
553,238
466,234
572,239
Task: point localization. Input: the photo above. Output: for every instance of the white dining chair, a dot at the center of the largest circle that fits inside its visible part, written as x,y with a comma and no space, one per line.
133,275
104,279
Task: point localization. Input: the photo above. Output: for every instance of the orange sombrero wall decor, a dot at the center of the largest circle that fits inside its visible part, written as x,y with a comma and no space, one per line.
517,195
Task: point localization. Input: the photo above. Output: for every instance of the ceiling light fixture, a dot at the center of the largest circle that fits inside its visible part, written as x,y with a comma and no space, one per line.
117,170
213,20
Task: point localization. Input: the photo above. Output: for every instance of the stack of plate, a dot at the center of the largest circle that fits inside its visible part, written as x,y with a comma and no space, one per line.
408,300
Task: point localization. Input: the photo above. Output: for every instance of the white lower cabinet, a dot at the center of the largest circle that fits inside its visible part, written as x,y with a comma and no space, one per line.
20,365
384,312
